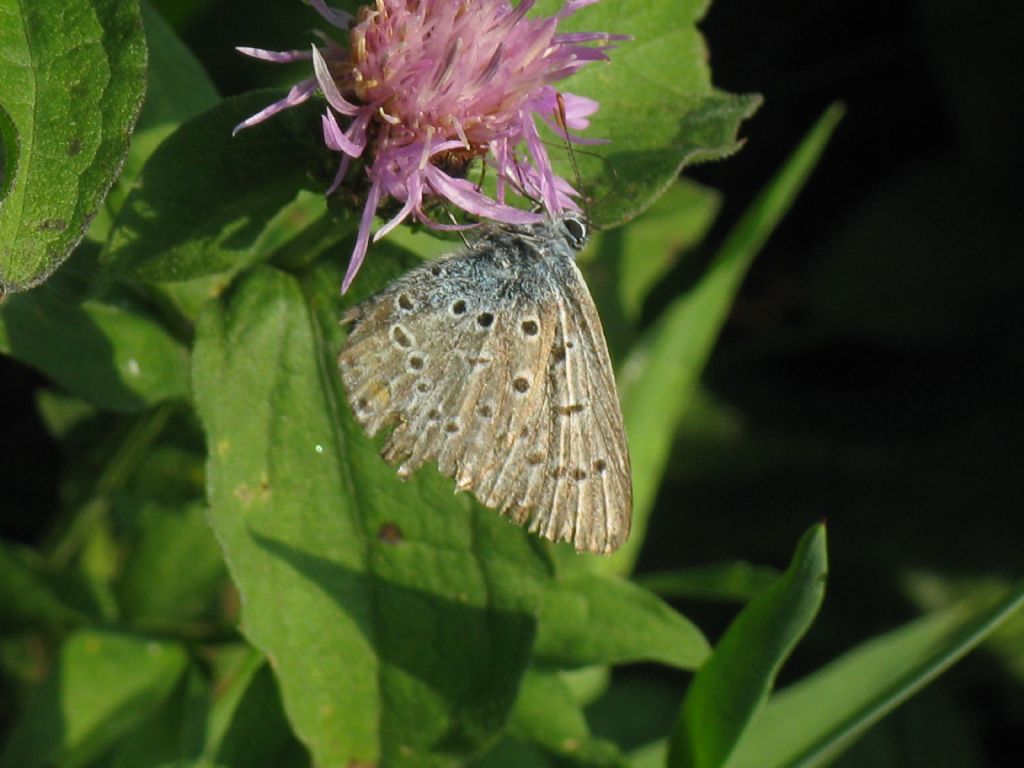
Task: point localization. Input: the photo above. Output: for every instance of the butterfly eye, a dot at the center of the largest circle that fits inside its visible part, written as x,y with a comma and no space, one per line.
577,230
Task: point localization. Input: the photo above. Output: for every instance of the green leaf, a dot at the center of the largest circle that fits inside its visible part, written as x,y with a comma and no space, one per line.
514,753
397,617
651,246
108,354
729,690
104,684
178,88
590,618
867,683
248,728
658,108
636,709
205,198
72,79
932,591
154,589
628,262
660,378
735,580
172,733
28,594
547,715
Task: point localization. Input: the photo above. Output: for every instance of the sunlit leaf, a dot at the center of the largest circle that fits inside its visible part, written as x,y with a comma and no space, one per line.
72,77
730,689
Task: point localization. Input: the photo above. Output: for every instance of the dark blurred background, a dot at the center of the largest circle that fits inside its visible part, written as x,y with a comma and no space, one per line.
872,371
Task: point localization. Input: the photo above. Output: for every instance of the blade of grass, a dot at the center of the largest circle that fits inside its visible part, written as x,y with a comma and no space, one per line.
661,374
730,689
860,688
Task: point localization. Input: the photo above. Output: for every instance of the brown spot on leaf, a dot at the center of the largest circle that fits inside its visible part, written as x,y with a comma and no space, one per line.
52,225
390,533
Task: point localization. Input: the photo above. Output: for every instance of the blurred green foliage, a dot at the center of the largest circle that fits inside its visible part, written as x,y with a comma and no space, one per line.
212,566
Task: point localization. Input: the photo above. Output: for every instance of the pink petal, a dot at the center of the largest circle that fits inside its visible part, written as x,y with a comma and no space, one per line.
466,196
568,38
335,16
340,175
578,109
571,6
329,87
413,197
542,164
298,94
336,139
363,238
278,57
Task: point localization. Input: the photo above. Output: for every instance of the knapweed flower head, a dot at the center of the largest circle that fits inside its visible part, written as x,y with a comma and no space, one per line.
422,87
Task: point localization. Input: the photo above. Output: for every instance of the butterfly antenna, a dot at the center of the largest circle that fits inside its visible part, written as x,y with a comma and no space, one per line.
563,123
455,222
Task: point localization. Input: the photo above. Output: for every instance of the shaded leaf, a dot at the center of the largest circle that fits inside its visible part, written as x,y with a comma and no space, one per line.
105,683
865,684
71,83
514,753
398,618
154,590
180,225
177,89
172,733
248,728
547,715
113,356
28,594
729,690
636,709
589,618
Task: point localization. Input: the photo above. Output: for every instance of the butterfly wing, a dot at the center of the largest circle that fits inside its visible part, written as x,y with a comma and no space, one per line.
510,391
590,500
568,477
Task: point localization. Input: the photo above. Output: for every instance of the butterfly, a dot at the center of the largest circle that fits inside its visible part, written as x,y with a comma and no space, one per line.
492,362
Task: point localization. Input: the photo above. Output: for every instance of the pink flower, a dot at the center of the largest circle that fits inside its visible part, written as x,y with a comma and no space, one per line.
423,87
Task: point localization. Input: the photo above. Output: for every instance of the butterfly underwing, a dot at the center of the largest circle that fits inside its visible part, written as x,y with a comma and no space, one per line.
492,363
